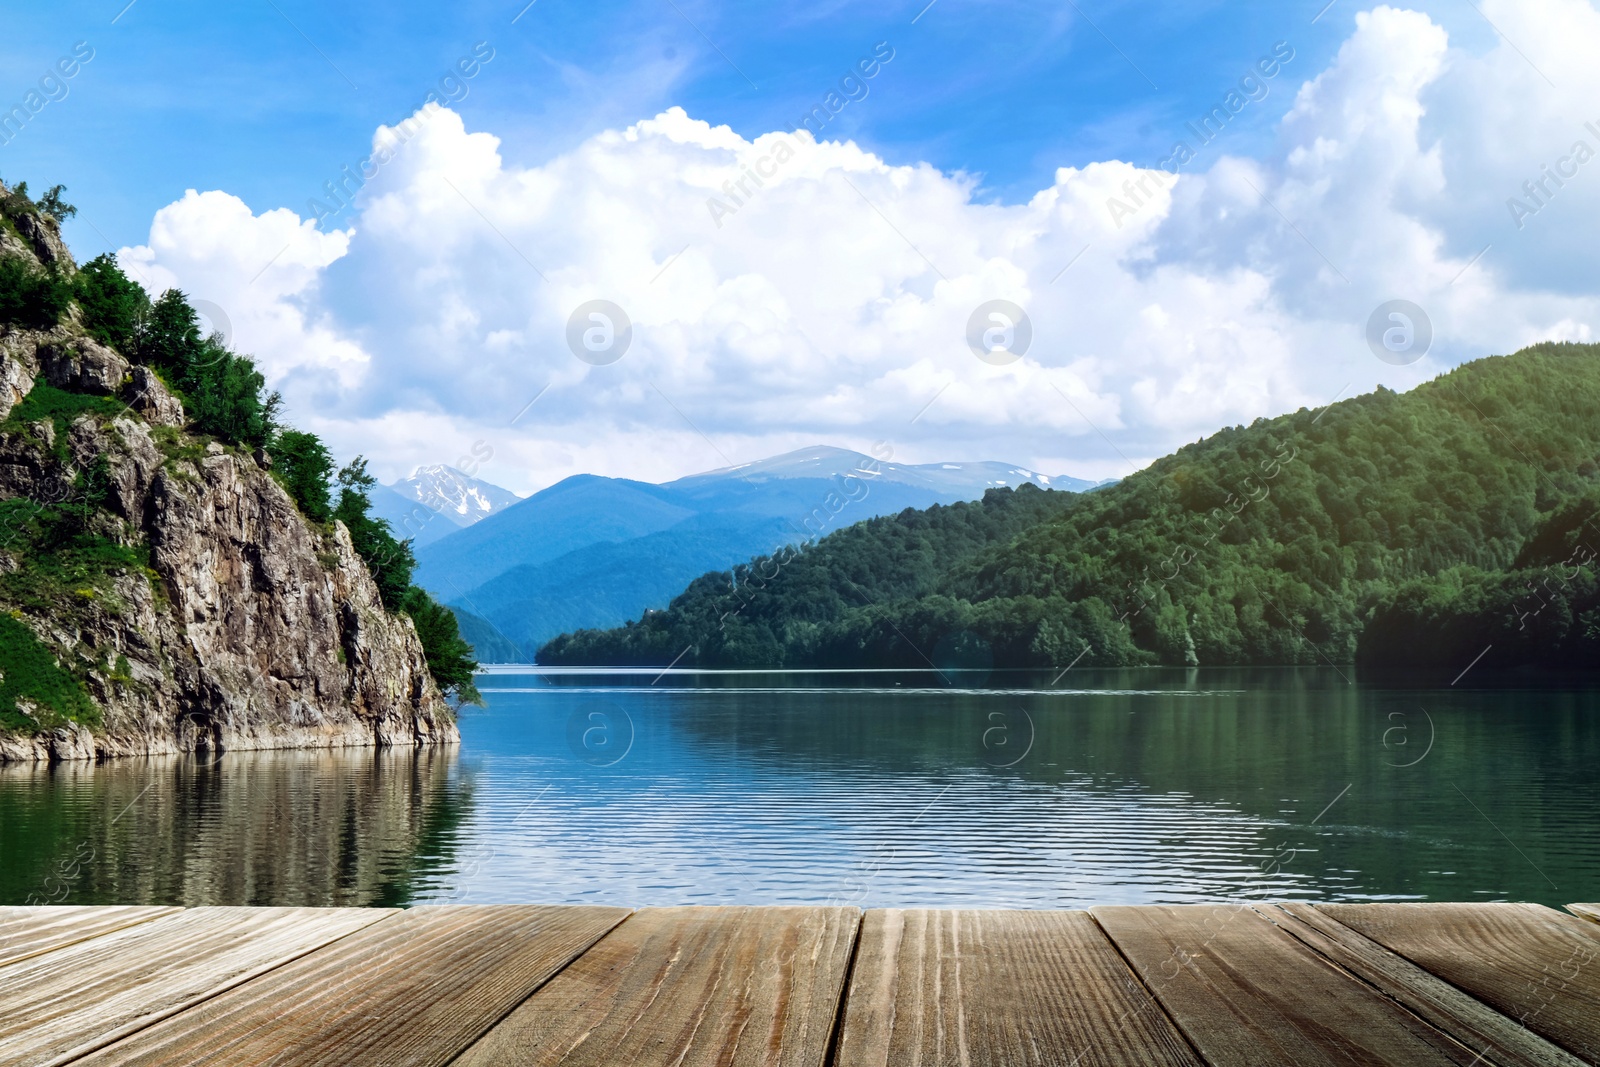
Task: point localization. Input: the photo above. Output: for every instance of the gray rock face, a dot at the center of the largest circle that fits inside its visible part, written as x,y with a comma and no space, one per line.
19,362
84,366
145,394
43,235
252,628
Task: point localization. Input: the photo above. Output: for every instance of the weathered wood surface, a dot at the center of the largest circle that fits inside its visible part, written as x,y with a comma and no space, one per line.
29,931
1246,993
689,986
1194,986
1586,911
1532,964
1473,1023
411,991
999,988
63,1004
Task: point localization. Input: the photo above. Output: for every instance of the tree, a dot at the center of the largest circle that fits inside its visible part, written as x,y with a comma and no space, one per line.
388,558
304,466
390,562
1283,542
170,340
227,396
450,658
114,306
52,204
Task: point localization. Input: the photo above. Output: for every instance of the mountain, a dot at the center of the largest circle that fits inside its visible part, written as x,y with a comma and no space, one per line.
595,552
1380,525
961,481
574,513
436,501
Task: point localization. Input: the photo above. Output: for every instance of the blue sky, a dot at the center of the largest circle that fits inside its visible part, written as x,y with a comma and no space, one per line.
266,98
997,156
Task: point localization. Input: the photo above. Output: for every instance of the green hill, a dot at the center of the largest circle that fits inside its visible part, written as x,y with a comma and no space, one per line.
787,607
1276,543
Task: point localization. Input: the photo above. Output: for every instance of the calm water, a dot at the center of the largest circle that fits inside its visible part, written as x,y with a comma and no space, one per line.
865,789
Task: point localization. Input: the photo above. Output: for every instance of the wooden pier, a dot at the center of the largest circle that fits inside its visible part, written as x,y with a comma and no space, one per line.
1464,984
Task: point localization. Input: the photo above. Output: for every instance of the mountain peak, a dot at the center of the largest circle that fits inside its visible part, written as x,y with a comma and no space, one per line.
451,492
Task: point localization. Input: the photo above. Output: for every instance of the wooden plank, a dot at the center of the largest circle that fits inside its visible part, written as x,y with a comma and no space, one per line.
66,1003
1586,911
999,988
1469,1021
411,991
1246,993
688,987
1531,963
30,931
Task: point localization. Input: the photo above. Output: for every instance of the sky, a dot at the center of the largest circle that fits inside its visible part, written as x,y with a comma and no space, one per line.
763,287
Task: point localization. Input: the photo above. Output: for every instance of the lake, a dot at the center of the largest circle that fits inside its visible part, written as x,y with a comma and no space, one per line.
866,788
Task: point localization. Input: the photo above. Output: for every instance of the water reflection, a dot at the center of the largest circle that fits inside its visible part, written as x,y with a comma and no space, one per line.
868,789
353,827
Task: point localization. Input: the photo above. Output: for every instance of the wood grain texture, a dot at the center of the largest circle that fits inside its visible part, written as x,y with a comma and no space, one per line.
413,990
689,987
1002,988
1586,911
63,1004
1246,993
1468,1020
1536,966
29,931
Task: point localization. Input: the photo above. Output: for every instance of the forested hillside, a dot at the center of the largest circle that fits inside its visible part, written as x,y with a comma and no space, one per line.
1280,542
787,607
1544,612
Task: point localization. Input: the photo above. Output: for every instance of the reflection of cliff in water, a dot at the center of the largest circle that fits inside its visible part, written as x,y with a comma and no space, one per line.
341,827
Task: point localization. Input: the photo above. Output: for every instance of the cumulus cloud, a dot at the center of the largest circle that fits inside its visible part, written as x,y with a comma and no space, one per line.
784,291
259,273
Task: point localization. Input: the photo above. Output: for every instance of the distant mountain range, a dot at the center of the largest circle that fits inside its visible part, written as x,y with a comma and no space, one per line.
594,552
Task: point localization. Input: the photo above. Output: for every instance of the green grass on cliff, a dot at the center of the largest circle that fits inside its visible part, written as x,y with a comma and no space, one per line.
46,403
60,563
36,692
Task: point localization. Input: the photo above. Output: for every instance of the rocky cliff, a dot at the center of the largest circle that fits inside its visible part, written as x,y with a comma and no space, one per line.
166,585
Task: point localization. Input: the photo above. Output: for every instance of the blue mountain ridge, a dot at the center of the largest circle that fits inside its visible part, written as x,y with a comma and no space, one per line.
592,551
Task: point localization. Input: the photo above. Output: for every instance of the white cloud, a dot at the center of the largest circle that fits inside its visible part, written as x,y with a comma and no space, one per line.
262,271
785,292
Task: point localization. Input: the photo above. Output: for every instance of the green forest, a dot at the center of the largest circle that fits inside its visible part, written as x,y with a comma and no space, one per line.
225,399
1392,530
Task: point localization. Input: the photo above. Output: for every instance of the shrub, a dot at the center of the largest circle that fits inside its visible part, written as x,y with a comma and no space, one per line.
16,203
31,297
